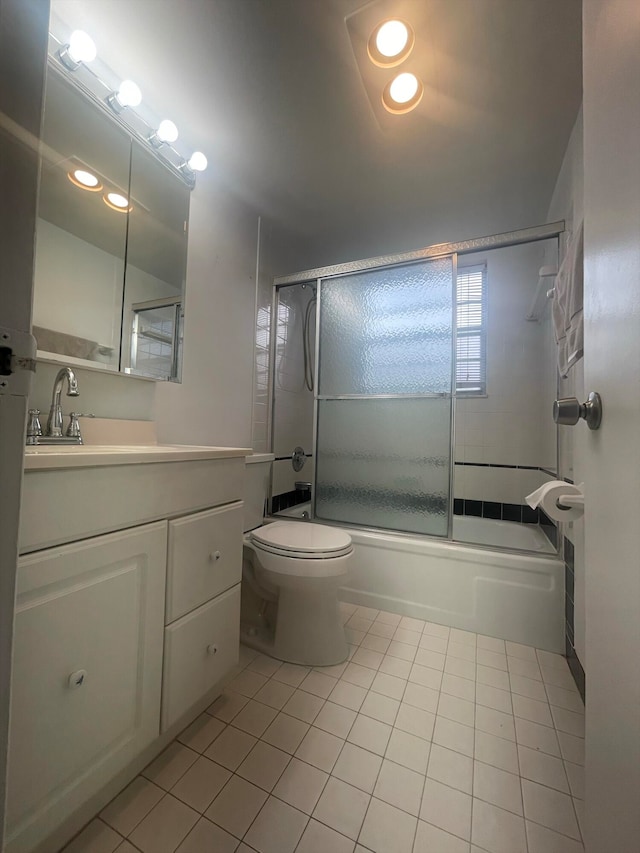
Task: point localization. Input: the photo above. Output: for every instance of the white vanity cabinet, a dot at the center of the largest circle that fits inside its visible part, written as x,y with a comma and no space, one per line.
87,671
127,622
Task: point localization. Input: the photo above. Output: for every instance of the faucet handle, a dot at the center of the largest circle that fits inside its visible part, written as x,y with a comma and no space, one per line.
34,428
73,430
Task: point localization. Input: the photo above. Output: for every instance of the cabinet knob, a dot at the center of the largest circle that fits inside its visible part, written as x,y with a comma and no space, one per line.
212,649
77,679
214,556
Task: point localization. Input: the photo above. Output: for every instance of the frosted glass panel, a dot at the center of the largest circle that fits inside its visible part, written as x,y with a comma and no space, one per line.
385,463
388,331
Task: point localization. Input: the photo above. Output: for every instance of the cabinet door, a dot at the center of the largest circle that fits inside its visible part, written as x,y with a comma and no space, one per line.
86,672
199,650
205,557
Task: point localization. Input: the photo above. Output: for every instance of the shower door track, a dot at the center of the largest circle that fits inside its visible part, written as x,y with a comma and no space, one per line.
463,247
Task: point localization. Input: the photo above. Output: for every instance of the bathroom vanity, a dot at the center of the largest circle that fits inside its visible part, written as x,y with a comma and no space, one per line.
127,619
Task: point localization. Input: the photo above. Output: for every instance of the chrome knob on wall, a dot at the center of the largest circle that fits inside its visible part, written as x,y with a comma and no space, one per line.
568,410
298,458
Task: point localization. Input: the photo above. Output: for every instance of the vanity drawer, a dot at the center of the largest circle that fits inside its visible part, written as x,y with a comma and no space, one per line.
205,557
199,650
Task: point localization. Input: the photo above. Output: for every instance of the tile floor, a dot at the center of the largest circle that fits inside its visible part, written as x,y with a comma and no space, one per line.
428,740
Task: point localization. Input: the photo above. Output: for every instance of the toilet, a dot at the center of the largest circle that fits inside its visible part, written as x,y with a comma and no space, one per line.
294,569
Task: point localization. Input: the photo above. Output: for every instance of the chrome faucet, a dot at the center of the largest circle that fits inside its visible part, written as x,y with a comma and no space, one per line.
54,422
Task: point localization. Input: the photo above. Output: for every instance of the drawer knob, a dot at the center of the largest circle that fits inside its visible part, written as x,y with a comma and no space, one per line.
212,649
214,556
77,679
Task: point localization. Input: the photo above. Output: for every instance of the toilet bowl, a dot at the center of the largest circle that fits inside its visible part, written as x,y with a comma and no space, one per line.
298,567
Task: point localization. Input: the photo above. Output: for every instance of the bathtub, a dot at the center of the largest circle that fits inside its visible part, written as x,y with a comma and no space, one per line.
513,596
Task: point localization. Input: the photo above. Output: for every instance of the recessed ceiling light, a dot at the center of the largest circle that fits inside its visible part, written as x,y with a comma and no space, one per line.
118,202
403,93
85,180
390,43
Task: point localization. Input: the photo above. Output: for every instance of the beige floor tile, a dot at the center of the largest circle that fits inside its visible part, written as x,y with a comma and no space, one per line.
227,706
543,840
292,674
96,837
276,694
277,829
545,769
170,765
286,733
202,782
446,808
255,718
380,707
497,787
301,785
408,750
342,807
264,765
496,751
320,749
400,787
236,806
497,830
549,808
348,695
231,748
206,837
386,829
430,839
451,768
303,706
248,683
131,805
370,734
318,838
358,767
202,732
335,719
165,827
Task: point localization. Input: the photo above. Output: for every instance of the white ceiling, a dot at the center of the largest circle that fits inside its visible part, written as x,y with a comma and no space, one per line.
286,107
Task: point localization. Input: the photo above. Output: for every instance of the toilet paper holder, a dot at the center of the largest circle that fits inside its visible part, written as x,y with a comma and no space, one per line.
570,501
568,410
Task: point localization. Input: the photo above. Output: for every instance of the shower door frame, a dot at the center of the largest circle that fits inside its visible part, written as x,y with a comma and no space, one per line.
537,233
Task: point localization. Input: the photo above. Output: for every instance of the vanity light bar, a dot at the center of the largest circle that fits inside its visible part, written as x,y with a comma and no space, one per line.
74,57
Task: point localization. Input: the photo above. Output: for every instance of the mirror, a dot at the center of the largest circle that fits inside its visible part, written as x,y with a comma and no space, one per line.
111,244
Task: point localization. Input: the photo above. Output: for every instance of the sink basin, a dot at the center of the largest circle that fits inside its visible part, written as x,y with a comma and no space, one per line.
47,456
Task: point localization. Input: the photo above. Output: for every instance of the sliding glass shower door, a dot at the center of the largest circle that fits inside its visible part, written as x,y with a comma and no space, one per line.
384,398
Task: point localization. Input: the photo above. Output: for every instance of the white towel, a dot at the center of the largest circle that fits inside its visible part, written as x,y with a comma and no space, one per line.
567,304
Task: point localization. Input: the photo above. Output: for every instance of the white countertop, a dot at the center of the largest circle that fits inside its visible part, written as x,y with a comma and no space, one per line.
51,456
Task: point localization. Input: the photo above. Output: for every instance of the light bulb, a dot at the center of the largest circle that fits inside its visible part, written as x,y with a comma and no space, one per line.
167,131
198,162
129,94
81,47
118,200
85,179
392,38
403,88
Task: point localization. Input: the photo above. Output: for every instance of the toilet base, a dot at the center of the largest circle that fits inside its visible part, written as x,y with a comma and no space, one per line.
309,631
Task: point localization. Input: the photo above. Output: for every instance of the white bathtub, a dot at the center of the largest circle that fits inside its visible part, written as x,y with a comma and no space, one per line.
508,595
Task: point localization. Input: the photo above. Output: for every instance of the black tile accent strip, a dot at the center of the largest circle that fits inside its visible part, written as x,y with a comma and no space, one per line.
514,467
289,499
575,666
519,513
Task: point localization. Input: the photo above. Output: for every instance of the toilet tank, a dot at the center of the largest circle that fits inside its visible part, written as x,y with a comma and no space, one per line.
257,471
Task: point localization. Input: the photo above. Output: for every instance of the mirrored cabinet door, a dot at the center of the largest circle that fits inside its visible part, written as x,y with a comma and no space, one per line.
155,269
81,234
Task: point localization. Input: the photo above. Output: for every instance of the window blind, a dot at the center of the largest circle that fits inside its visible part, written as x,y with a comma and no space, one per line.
471,291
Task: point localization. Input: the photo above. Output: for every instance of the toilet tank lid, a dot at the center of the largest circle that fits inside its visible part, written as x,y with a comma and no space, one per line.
302,537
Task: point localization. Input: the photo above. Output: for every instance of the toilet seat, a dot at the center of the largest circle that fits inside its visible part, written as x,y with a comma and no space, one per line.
302,541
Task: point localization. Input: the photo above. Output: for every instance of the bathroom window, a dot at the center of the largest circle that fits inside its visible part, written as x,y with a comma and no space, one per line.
471,350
